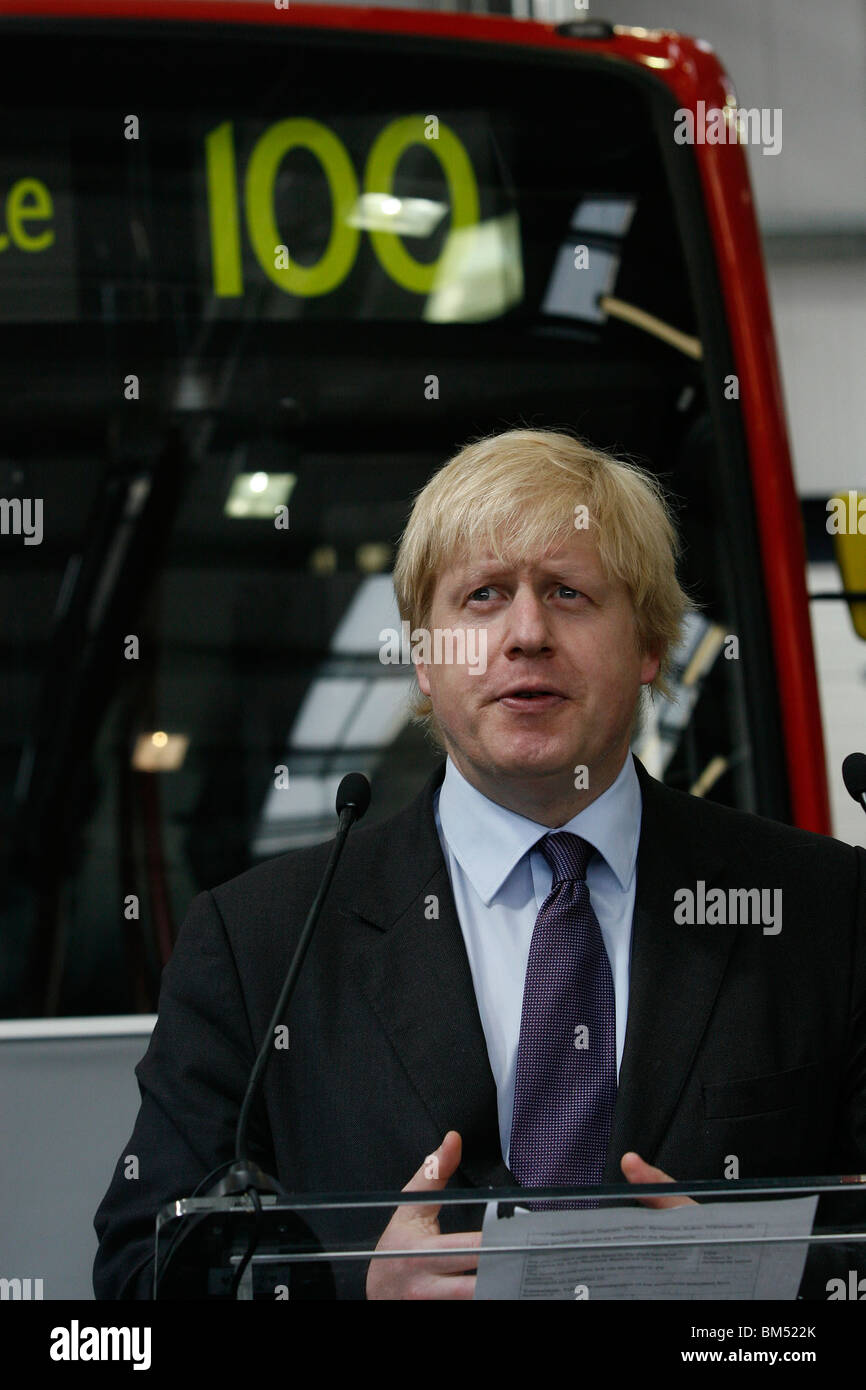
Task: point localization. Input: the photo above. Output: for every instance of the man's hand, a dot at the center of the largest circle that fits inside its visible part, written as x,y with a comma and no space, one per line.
636,1170
417,1227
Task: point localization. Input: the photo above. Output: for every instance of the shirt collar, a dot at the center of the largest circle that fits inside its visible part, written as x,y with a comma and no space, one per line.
488,841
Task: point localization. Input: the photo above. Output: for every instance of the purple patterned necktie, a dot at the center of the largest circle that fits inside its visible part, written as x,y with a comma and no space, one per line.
565,1084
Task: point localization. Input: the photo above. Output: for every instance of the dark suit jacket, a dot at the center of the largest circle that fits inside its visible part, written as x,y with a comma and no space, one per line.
738,1043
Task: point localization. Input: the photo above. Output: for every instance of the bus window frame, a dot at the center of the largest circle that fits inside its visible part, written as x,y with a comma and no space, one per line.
790,777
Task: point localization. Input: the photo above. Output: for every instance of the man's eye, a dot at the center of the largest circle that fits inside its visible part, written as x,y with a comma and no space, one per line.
487,589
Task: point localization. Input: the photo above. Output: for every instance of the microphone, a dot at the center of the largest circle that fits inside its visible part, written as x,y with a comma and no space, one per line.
354,791
353,798
854,776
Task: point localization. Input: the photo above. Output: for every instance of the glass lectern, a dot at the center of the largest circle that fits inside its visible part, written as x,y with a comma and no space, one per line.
769,1238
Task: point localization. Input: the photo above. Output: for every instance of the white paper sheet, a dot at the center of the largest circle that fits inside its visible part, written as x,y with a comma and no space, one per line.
690,1271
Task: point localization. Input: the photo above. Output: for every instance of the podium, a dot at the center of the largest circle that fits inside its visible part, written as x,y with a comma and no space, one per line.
733,1240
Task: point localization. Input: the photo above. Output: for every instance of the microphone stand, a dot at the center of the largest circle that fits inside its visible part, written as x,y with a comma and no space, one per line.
244,1175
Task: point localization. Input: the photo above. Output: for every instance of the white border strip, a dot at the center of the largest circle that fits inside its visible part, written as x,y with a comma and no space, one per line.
113,1026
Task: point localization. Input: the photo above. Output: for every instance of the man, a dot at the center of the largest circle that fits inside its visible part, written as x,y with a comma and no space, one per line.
501,963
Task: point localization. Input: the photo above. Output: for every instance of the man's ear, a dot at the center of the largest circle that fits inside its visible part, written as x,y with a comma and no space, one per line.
651,663
422,677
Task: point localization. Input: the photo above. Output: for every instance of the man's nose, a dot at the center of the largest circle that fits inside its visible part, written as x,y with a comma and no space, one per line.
527,623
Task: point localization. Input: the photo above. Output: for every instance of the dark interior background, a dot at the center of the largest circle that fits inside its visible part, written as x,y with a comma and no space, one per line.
247,631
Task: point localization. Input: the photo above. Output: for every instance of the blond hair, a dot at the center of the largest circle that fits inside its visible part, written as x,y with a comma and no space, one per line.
516,494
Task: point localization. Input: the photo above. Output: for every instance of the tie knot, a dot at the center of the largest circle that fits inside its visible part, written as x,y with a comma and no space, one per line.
567,855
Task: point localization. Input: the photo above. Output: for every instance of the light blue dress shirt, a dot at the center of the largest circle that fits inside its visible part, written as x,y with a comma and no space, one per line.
499,884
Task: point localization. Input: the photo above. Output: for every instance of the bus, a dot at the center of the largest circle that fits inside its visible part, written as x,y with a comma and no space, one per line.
263,269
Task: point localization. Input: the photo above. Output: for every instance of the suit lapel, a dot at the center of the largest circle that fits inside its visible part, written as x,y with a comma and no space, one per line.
415,973
676,972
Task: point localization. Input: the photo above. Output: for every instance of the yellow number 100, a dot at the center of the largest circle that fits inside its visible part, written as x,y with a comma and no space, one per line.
339,255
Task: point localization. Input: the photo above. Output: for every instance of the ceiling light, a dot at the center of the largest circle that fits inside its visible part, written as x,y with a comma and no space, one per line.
382,212
258,495
159,751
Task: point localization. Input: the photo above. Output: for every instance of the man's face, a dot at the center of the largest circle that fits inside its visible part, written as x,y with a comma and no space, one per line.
555,625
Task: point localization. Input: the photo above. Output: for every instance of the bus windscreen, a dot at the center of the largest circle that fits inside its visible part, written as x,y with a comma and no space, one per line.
251,275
